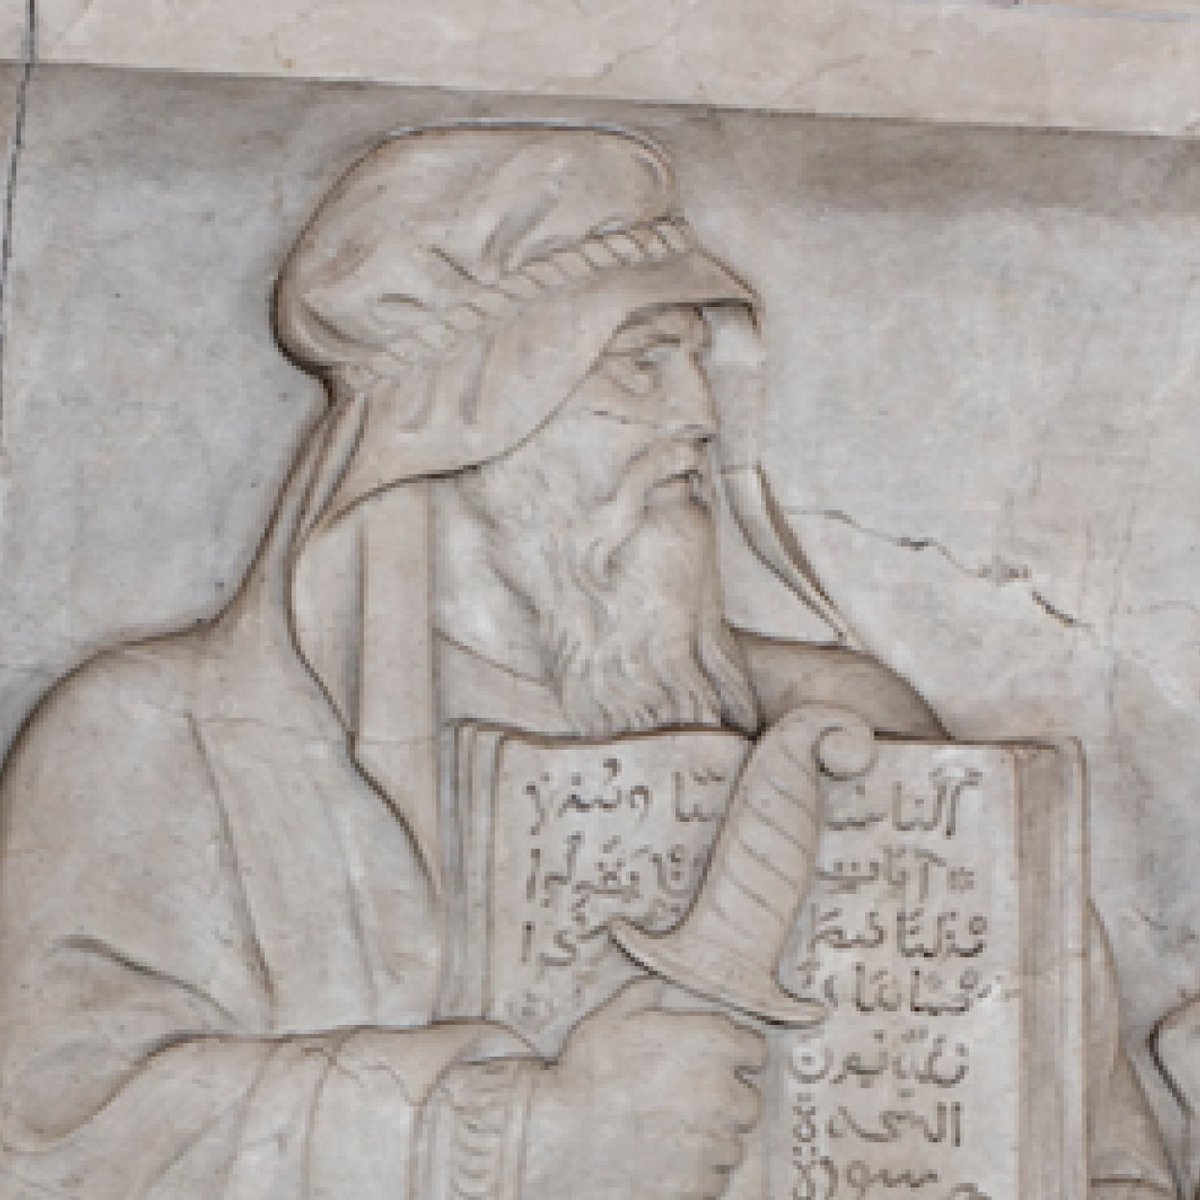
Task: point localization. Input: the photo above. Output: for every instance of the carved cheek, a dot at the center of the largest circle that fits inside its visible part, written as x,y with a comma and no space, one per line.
608,437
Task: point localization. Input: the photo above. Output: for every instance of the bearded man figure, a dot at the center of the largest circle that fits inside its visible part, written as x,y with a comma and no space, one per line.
225,883
607,561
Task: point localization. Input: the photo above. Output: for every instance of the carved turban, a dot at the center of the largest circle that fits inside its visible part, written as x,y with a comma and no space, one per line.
463,281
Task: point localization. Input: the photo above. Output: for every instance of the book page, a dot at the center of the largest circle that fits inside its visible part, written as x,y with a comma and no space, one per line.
910,935
584,833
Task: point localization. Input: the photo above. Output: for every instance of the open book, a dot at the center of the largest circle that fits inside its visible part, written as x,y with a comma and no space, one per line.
944,933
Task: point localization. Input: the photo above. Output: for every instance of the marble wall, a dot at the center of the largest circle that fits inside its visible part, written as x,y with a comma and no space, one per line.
985,343
1125,65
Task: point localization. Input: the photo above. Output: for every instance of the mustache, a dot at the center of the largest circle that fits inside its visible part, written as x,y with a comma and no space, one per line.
619,517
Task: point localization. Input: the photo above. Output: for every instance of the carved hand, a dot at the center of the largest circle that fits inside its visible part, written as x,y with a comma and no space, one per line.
644,1104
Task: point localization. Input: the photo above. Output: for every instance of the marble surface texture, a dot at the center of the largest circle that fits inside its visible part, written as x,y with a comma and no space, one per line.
982,349
14,28
1124,65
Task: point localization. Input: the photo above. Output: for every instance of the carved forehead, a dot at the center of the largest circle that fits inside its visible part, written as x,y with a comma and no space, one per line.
731,330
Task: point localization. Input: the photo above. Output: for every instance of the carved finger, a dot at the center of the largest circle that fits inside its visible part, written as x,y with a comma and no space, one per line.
709,1041
744,1047
710,1185
742,1106
723,1152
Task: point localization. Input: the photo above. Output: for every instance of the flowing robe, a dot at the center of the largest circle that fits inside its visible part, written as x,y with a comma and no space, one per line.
219,942
220,952
219,945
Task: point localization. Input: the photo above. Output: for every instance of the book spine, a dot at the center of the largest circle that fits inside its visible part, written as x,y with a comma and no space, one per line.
1052,861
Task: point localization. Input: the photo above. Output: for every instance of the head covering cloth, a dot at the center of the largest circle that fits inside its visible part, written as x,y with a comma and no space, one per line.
453,289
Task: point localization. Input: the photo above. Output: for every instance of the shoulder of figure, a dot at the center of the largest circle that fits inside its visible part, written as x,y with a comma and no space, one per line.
107,716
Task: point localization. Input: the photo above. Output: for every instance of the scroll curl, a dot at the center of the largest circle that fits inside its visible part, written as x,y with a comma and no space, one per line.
727,947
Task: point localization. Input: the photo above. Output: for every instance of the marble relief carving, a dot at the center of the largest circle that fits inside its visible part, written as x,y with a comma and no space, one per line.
471,851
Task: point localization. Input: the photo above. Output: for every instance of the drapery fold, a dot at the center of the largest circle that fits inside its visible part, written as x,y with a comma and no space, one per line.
219,951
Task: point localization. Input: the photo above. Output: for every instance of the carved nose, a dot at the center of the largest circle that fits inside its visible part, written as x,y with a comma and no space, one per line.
691,411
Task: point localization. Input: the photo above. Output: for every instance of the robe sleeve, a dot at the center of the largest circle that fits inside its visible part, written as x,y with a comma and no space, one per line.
1126,1156
137,1058
324,1116
1177,1052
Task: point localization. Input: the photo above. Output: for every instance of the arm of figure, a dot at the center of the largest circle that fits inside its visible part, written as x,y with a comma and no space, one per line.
1126,1156
1176,1043
140,1055
433,1113
330,1114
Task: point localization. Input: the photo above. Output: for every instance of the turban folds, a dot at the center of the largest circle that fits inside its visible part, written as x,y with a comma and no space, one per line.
465,279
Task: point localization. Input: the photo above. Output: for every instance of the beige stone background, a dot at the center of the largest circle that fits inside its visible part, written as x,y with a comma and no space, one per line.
985,341
1103,64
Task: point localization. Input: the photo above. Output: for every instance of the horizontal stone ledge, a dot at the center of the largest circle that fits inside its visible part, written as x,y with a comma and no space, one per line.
1125,66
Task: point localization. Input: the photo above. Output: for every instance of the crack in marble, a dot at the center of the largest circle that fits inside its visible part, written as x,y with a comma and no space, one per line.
999,571
1052,610
622,57
1185,359
10,186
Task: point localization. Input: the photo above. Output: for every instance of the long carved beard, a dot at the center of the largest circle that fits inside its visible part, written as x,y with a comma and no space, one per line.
645,645
629,604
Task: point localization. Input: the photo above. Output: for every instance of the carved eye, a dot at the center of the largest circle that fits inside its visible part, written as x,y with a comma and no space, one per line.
638,372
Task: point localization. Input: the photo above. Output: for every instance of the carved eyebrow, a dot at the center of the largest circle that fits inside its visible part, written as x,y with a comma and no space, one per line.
630,340
646,334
